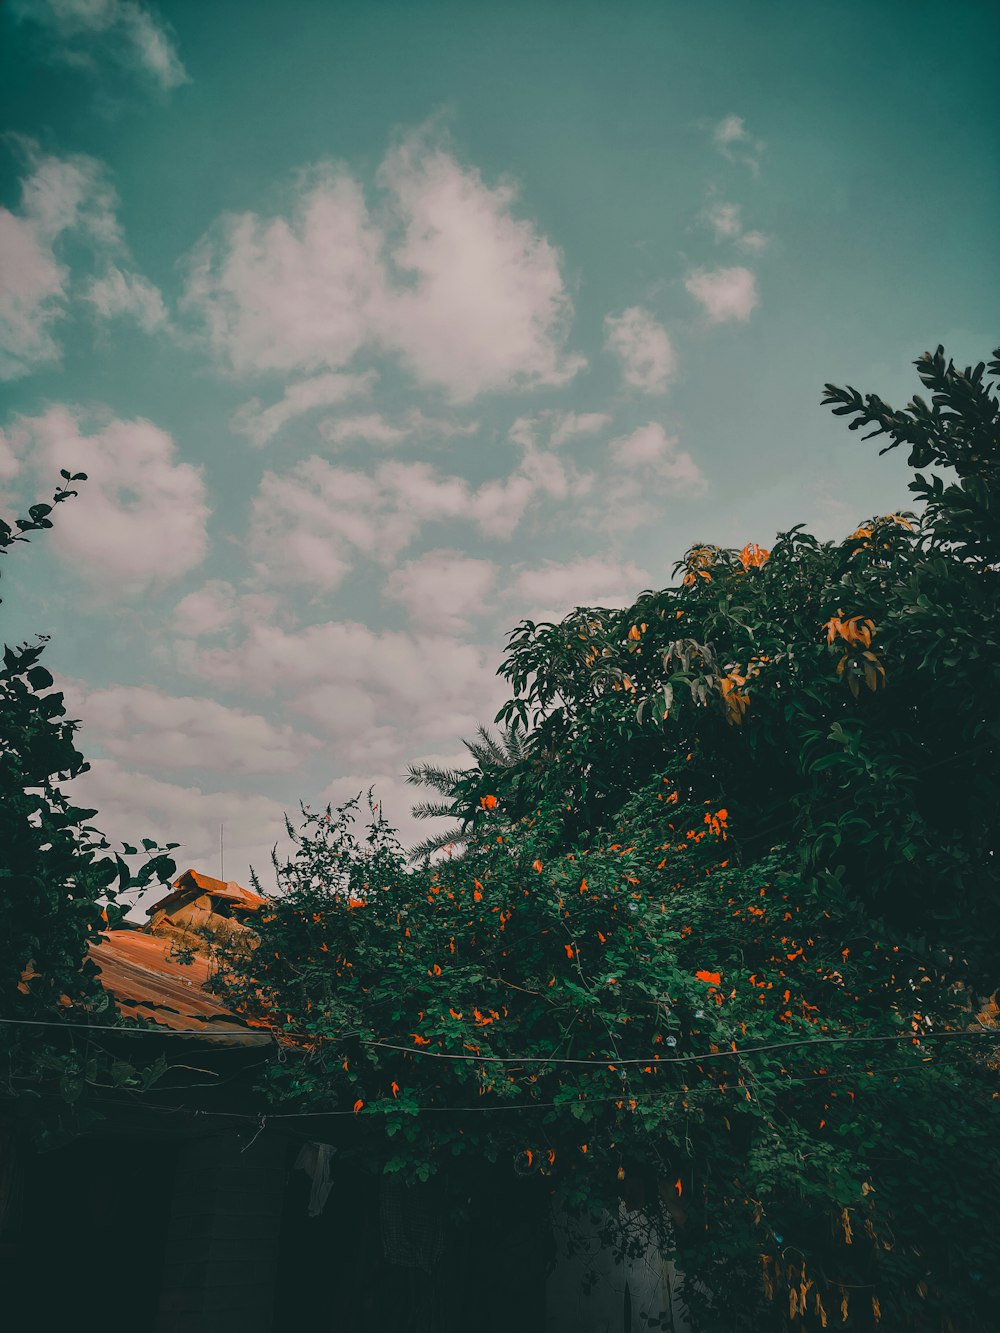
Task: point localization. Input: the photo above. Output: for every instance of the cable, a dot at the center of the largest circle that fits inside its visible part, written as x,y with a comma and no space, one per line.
541,1059
684,1059
255,1116
230,1033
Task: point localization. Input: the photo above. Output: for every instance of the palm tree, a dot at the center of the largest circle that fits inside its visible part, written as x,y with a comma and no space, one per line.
510,747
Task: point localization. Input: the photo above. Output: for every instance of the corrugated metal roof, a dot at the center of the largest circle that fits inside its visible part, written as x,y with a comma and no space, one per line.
144,972
193,881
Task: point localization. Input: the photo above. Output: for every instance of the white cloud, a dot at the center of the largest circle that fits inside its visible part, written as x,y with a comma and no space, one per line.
62,200
556,588
261,424
119,294
735,142
210,609
471,297
377,428
140,518
373,428
441,589
724,219
655,457
378,695
568,425
307,524
726,222
724,293
58,196
124,29
648,359
132,805
137,723
290,294
488,309
754,241
557,426
648,467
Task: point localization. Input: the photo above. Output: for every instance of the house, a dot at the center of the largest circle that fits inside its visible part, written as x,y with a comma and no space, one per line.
188,1208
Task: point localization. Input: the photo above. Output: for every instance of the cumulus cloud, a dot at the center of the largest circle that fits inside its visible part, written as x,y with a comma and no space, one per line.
373,428
441,589
659,459
119,294
643,346
308,524
724,293
134,723
260,424
141,517
124,30
556,427
64,200
569,425
648,468
467,294
555,588
735,142
210,609
131,805
378,695
726,222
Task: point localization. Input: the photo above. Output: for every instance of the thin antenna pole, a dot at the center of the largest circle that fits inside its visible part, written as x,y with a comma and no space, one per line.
222,852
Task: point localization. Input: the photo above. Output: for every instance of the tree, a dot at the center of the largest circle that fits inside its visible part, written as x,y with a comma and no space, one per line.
719,935
59,887
489,752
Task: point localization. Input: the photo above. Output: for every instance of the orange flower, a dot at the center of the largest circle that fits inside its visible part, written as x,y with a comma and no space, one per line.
434,971
536,865
395,1089
356,902
358,1105
753,555
569,950
488,802
420,1041
454,1013
709,978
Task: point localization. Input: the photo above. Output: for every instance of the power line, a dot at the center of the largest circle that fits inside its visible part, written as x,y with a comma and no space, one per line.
686,1059
591,1062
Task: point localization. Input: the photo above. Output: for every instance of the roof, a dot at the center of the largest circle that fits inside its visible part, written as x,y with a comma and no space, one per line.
193,881
149,981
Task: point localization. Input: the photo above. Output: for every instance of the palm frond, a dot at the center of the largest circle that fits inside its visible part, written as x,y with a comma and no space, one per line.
441,779
433,810
450,838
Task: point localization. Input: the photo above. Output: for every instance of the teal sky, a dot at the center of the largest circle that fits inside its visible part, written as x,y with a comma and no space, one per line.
381,326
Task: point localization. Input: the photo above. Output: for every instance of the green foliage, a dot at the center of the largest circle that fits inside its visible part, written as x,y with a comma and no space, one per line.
722,926
59,883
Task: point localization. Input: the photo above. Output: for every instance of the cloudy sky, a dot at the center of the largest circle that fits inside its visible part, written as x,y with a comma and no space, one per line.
380,326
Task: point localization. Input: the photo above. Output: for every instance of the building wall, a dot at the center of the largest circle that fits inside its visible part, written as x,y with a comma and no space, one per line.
219,1260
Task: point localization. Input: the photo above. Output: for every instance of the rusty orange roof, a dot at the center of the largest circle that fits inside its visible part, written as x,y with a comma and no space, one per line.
228,890
149,981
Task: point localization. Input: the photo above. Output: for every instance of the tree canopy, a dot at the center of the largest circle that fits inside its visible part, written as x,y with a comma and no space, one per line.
60,883
724,926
